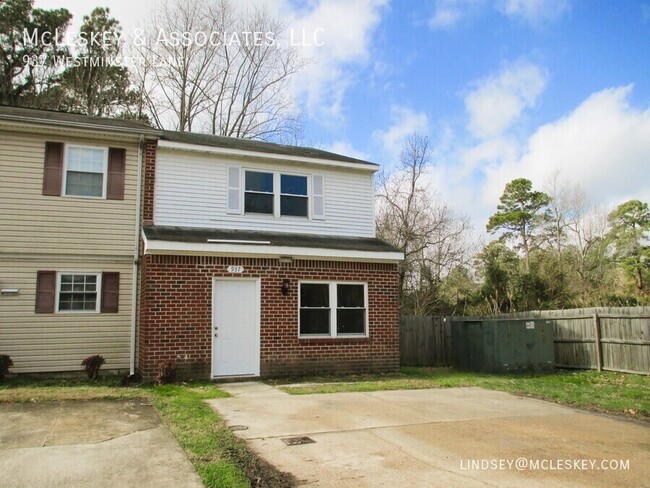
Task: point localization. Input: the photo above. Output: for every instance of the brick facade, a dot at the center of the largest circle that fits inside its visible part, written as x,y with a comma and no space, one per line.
149,180
176,316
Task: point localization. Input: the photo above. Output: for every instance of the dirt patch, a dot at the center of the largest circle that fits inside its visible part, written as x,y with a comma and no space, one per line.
260,472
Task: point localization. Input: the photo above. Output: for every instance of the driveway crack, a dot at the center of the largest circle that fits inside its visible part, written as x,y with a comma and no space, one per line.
56,421
119,436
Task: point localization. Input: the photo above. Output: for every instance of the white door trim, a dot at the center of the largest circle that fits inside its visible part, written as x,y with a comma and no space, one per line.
257,318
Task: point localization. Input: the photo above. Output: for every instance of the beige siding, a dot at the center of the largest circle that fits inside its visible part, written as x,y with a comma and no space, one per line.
191,192
61,234
60,341
33,223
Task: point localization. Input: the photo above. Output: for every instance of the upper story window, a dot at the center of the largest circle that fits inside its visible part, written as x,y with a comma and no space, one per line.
85,171
261,194
293,196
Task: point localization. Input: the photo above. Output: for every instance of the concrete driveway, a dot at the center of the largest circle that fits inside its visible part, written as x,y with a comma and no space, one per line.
102,444
466,437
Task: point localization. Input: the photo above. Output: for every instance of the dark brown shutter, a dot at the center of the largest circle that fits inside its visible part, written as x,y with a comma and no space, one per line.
116,169
53,169
45,291
110,292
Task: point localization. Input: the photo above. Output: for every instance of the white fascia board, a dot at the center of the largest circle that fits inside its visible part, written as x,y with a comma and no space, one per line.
267,251
182,146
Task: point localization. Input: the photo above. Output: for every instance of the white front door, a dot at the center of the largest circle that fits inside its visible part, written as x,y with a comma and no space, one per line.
235,328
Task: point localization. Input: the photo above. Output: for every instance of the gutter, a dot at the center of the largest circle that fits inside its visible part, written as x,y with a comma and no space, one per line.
136,258
82,125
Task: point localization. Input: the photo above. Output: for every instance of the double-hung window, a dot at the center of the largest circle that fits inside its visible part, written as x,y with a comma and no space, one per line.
259,194
333,309
85,171
293,195
58,291
277,194
78,292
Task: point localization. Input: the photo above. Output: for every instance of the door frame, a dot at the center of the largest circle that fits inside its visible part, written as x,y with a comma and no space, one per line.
257,319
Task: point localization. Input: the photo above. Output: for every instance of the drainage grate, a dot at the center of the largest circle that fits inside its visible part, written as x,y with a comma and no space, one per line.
296,441
238,427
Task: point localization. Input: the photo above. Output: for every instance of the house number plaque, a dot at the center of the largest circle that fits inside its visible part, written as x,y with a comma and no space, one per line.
235,269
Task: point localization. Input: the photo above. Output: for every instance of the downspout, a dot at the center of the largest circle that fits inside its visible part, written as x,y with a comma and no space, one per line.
136,257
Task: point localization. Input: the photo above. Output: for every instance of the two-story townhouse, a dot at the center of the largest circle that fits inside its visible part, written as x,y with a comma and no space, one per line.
261,259
69,238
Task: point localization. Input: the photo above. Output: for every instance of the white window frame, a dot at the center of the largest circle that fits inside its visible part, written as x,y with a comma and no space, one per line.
67,147
333,306
274,193
277,195
78,273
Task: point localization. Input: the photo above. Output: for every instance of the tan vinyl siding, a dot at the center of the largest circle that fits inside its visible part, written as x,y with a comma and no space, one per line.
60,341
191,192
33,223
65,234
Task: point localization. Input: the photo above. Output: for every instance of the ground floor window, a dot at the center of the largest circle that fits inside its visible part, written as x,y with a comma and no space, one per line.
78,292
58,291
333,309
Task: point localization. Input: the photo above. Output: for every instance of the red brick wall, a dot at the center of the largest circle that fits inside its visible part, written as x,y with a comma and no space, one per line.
149,182
176,315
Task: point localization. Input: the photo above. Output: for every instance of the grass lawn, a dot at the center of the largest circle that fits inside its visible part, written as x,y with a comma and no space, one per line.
218,456
617,393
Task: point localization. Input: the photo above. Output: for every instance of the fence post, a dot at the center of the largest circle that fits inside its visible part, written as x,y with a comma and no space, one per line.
599,351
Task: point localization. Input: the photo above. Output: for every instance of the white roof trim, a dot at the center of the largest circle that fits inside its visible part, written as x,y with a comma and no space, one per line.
182,146
236,241
247,250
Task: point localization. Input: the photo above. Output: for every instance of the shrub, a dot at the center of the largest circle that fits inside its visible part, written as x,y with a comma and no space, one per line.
166,372
92,364
5,364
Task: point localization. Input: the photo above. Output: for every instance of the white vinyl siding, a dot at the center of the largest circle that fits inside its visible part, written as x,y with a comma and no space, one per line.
192,191
50,342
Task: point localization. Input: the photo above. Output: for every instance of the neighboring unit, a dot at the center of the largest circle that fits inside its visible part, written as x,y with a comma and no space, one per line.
68,238
261,260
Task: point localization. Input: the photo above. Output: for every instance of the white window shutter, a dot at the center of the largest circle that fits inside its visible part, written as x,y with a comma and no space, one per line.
233,203
318,197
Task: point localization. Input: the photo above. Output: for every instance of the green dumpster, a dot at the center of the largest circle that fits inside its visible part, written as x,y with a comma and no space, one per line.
503,346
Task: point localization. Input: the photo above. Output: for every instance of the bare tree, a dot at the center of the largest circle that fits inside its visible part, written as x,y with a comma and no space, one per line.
228,75
576,230
564,203
413,220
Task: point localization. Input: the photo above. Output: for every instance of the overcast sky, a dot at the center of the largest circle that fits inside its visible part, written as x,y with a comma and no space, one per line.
504,88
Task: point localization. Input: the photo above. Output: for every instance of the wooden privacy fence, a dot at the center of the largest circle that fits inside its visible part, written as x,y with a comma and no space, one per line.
613,339
425,341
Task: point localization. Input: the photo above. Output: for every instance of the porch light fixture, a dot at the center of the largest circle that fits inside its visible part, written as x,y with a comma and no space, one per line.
285,259
10,291
285,287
